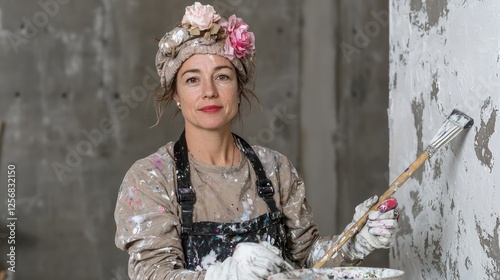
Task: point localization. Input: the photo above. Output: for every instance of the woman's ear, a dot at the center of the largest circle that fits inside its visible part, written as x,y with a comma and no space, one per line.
175,97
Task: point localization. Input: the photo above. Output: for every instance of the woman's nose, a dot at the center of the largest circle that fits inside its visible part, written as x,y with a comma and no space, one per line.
210,90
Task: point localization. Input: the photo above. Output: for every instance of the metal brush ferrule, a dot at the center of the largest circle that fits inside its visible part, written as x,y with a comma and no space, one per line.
430,150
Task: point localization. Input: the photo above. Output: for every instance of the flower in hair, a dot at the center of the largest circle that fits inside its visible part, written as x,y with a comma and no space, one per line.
172,40
239,42
201,24
200,17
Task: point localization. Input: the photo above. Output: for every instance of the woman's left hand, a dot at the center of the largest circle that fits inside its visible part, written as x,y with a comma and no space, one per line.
378,232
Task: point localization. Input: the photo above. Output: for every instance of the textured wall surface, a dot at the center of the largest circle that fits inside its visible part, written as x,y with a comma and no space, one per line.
446,55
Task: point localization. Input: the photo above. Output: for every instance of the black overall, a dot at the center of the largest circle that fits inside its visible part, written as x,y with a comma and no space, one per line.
200,238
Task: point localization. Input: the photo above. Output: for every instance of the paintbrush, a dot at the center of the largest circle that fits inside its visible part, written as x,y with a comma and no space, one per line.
454,124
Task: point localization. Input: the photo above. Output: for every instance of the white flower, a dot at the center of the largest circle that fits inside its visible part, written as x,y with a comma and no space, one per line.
172,40
200,16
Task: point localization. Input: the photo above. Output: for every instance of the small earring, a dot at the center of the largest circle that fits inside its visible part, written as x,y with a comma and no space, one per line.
178,105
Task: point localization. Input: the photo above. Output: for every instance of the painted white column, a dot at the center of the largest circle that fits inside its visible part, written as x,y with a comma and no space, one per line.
446,55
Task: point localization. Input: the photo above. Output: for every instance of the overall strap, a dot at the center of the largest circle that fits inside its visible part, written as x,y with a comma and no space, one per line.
264,185
186,196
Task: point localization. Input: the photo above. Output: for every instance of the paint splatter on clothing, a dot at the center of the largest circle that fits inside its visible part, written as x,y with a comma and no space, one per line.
148,217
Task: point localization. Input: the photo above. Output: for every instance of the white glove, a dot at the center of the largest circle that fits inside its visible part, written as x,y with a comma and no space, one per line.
249,261
378,232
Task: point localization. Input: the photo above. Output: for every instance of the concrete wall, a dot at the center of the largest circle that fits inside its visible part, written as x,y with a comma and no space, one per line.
362,96
75,80
446,55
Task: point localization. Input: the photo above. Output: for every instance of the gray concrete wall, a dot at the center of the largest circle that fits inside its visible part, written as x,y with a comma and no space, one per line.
446,55
361,138
343,101
75,80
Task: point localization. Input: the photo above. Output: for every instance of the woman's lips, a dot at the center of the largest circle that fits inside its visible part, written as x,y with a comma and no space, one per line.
211,109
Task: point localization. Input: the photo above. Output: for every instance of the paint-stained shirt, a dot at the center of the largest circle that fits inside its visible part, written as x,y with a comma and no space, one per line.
148,216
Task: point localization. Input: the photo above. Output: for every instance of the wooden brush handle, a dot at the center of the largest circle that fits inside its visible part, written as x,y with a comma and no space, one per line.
355,228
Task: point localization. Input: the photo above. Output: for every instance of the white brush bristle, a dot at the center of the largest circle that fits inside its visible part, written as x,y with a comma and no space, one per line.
461,119
454,124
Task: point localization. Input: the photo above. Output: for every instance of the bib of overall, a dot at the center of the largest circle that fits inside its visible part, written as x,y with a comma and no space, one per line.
205,238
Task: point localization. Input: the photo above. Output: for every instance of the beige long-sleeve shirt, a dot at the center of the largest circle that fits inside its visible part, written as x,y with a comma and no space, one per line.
148,217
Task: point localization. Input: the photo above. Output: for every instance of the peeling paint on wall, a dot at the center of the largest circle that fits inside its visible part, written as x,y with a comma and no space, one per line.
445,56
483,134
417,207
416,5
437,168
435,87
435,10
417,108
491,246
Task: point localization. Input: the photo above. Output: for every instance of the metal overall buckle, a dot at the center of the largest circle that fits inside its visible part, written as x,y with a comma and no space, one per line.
186,195
186,198
265,188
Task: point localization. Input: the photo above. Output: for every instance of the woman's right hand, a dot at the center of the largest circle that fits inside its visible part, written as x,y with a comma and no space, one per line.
249,261
378,232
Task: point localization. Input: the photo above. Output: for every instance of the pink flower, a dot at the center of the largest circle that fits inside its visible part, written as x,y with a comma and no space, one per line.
200,16
239,41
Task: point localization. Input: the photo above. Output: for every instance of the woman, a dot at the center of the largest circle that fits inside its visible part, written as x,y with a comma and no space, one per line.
210,206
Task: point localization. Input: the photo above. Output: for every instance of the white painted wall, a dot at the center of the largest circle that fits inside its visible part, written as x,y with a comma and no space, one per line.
446,55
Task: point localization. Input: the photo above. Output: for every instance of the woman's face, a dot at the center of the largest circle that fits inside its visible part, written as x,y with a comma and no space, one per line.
207,89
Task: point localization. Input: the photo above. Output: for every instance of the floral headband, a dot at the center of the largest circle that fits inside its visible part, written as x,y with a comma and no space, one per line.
204,31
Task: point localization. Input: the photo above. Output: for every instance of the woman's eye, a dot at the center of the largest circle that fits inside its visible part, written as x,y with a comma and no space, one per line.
191,80
223,77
